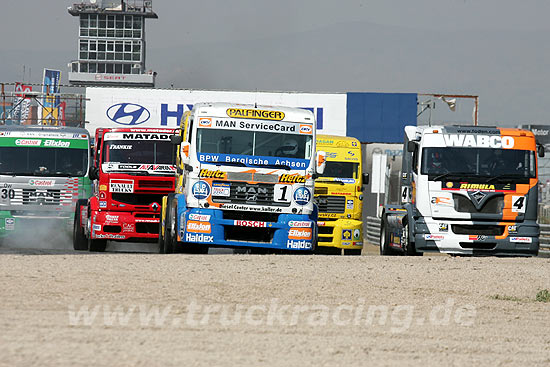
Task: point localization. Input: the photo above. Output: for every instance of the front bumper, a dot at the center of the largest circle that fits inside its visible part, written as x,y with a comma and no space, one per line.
292,232
125,226
341,233
524,241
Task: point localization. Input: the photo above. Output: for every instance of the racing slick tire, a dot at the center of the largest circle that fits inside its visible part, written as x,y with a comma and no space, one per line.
80,242
97,245
160,241
352,252
410,249
168,243
385,249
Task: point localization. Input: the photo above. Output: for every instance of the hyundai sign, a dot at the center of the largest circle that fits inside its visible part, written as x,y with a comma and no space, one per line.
118,107
128,114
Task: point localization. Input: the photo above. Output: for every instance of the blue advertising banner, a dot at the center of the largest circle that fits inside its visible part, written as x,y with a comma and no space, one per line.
50,109
380,117
253,161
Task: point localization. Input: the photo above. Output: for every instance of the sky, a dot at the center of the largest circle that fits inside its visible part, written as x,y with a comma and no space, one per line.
497,49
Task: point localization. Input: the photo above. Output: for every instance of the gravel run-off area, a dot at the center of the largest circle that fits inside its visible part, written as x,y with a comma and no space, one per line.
147,309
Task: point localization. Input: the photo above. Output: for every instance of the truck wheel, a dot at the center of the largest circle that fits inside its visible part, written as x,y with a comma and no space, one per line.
352,252
168,240
80,242
160,242
410,249
385,249
97,245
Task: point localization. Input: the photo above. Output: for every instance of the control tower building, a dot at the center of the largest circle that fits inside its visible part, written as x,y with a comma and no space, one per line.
111,43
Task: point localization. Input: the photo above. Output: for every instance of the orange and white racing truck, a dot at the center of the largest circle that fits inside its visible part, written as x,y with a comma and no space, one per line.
465,190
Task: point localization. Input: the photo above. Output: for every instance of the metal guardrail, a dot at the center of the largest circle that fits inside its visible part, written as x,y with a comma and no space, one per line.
373,230
373,234
544,239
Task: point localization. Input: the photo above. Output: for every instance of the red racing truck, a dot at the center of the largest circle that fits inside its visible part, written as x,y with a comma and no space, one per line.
133,169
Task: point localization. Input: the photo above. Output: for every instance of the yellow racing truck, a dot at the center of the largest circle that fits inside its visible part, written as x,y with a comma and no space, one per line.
339,196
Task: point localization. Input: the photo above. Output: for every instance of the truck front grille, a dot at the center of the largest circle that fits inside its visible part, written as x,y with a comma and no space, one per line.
50,197
325,230
248,234
321,191
477,229
156,184
137,199
251,194
331,203
493,205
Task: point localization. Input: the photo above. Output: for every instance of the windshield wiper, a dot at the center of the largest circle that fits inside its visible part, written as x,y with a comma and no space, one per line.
238,164
505,175
12,173
449,174
283,166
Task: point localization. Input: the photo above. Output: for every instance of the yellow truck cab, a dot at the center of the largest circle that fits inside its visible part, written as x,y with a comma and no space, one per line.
339,196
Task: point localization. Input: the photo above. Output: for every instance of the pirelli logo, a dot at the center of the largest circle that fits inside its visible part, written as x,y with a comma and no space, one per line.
206,173
294,178
255,114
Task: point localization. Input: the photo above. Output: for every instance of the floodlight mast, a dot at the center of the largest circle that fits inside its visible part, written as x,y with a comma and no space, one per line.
443,96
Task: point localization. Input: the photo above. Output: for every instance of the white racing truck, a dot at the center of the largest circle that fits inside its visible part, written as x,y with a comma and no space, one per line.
465,190
43,173
245,180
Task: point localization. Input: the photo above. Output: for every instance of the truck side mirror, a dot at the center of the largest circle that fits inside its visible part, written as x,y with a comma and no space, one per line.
411,146
321,162
93,173
176,139
540,151
366,178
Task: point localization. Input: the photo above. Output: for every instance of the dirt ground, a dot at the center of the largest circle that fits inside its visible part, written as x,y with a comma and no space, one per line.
67,309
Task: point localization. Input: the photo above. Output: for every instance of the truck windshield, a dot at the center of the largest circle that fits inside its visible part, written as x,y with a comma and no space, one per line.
29,161
484,162
254,143
341,170
138,151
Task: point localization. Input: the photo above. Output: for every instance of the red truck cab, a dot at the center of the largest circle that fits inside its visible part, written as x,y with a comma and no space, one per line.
133,169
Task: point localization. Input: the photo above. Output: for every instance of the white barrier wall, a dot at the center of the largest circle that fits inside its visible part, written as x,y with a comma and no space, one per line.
127,107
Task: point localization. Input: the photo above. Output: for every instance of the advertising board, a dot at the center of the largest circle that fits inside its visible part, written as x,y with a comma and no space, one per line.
127,107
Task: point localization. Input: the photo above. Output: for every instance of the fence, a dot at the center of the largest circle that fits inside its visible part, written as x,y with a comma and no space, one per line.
373,234
39,104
